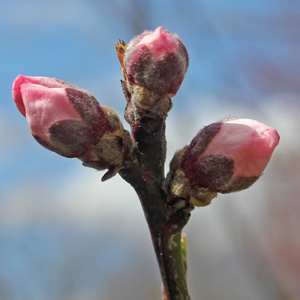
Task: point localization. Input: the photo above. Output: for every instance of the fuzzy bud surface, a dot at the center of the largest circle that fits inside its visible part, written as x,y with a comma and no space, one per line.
229,156
69,120
156,60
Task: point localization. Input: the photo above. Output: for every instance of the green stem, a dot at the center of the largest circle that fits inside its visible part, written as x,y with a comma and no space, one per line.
172,261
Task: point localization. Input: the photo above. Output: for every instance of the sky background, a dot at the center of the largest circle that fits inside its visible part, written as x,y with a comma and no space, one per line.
66,235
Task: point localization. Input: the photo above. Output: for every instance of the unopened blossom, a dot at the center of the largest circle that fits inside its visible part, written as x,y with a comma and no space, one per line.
69,120
230,155
156,60
223,157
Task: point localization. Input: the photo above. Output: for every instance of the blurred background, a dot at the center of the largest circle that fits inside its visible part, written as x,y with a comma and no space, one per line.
65,235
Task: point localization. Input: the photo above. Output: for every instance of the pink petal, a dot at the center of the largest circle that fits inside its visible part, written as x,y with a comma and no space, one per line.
44,81
43,101
248,142
159,42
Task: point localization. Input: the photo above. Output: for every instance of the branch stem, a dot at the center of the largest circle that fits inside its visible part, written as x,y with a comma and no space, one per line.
165,234
145,173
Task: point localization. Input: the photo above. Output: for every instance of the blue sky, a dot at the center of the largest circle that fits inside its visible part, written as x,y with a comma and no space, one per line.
244,60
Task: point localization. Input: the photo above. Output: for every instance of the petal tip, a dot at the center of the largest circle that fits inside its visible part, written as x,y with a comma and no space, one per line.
16,94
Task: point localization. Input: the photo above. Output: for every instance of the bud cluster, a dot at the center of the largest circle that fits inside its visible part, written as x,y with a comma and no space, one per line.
223,157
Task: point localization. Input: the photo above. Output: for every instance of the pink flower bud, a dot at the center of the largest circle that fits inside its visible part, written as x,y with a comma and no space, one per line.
61,117
156,60
69,121
229,156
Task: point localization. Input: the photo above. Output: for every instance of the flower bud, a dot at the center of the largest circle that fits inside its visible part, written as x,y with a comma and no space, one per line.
223,157
156,60
69,120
